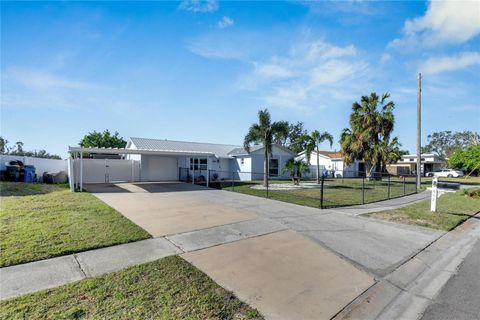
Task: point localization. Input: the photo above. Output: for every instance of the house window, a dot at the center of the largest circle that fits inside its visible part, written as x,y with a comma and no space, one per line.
242,161
273,168
198,164
412,159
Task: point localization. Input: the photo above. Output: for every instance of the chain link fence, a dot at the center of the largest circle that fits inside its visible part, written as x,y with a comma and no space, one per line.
333,189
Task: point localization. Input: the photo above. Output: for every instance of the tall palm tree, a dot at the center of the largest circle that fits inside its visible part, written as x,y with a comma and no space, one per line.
264,132
368,138
312,143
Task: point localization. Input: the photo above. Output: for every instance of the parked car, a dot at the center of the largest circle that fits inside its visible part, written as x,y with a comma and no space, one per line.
449,173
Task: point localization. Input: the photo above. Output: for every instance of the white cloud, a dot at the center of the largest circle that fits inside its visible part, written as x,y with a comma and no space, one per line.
199,5
27,88
437,65
385,58
444,22
312,73
225,22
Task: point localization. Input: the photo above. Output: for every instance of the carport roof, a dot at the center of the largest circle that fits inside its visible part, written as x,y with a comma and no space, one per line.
135,151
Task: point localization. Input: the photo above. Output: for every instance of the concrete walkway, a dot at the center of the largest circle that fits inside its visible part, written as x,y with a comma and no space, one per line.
298,262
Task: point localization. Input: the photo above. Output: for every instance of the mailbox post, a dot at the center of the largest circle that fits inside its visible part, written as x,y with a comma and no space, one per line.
433,204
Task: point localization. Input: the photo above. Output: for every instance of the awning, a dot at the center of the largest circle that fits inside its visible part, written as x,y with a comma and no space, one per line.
137,151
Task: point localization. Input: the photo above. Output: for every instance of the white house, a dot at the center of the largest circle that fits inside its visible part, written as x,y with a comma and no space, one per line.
407,164
169,160
331,161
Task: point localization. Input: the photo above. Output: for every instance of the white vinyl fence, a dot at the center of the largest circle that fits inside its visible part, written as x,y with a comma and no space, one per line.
107,170
41,164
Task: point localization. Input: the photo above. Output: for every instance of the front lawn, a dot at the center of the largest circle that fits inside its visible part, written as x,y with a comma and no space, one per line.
452,210
39,221
169,288
337,192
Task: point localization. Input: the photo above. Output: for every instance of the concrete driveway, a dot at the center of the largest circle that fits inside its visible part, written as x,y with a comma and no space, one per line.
288,261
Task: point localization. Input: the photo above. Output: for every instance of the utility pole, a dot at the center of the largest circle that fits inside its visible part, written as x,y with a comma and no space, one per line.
419,131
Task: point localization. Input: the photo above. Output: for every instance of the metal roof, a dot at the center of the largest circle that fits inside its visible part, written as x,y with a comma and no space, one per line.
242,152
219,150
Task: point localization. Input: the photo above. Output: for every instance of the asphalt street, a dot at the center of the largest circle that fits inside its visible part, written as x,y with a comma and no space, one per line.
460,298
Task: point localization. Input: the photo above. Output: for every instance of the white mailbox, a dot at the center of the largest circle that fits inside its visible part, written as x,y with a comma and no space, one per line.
433,204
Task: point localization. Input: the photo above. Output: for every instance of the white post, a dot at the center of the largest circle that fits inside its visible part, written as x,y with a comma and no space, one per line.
433,204
81,171
70,173
131,161
193,173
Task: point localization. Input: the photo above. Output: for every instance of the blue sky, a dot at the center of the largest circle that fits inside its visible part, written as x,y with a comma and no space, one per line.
200,71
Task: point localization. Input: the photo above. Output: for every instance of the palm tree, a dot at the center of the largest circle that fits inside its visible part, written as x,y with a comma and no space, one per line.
296,168
264,132
312,143
368,138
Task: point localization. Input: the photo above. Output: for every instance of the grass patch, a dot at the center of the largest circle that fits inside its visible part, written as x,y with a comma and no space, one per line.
39,221
337,192
169,288
452,210
463,180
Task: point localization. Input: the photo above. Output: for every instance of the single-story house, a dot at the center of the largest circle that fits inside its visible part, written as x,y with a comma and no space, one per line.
169,160
331,161
408,163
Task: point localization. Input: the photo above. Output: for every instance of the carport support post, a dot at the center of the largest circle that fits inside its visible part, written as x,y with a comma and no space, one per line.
208,177
70,173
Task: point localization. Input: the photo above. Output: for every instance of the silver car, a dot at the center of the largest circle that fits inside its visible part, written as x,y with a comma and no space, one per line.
449,173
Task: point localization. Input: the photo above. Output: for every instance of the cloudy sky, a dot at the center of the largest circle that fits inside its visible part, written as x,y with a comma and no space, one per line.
201,70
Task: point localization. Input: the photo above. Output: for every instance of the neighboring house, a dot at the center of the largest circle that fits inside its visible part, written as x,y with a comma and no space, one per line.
331,161
174,160
407,164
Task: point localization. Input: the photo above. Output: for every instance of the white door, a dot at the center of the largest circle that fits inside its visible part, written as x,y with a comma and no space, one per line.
157,168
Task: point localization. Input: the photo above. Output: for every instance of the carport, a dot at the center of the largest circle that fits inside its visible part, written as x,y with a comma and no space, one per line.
157,165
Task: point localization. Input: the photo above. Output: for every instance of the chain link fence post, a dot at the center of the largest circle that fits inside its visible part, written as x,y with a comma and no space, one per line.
321,192
388,186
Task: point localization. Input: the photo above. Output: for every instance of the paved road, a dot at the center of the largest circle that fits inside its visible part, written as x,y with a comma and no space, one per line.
460,298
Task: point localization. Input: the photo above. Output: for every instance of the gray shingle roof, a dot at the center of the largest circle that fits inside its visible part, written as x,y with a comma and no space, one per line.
220,150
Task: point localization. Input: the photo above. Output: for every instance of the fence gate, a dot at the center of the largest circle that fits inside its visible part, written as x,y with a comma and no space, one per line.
108,170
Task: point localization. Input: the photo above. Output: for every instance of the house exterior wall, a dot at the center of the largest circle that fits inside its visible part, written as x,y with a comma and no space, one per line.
242,171
336,164
258,158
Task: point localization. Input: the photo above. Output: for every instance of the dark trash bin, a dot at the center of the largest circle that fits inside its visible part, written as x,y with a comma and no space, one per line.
29,174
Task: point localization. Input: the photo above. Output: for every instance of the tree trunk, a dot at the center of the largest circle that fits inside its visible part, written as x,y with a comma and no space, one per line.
318,167
265,170
368,169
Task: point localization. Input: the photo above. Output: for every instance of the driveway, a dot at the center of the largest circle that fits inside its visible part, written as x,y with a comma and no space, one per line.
288,261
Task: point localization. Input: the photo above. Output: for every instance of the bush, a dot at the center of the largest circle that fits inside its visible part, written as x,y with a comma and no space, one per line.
472,193
468,160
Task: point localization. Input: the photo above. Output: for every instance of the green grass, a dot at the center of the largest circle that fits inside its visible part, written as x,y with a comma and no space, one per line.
463,180
452,210
169,288
338,192
39,221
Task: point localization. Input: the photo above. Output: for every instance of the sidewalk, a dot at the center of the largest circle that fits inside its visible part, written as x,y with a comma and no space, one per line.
49,273
384,205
